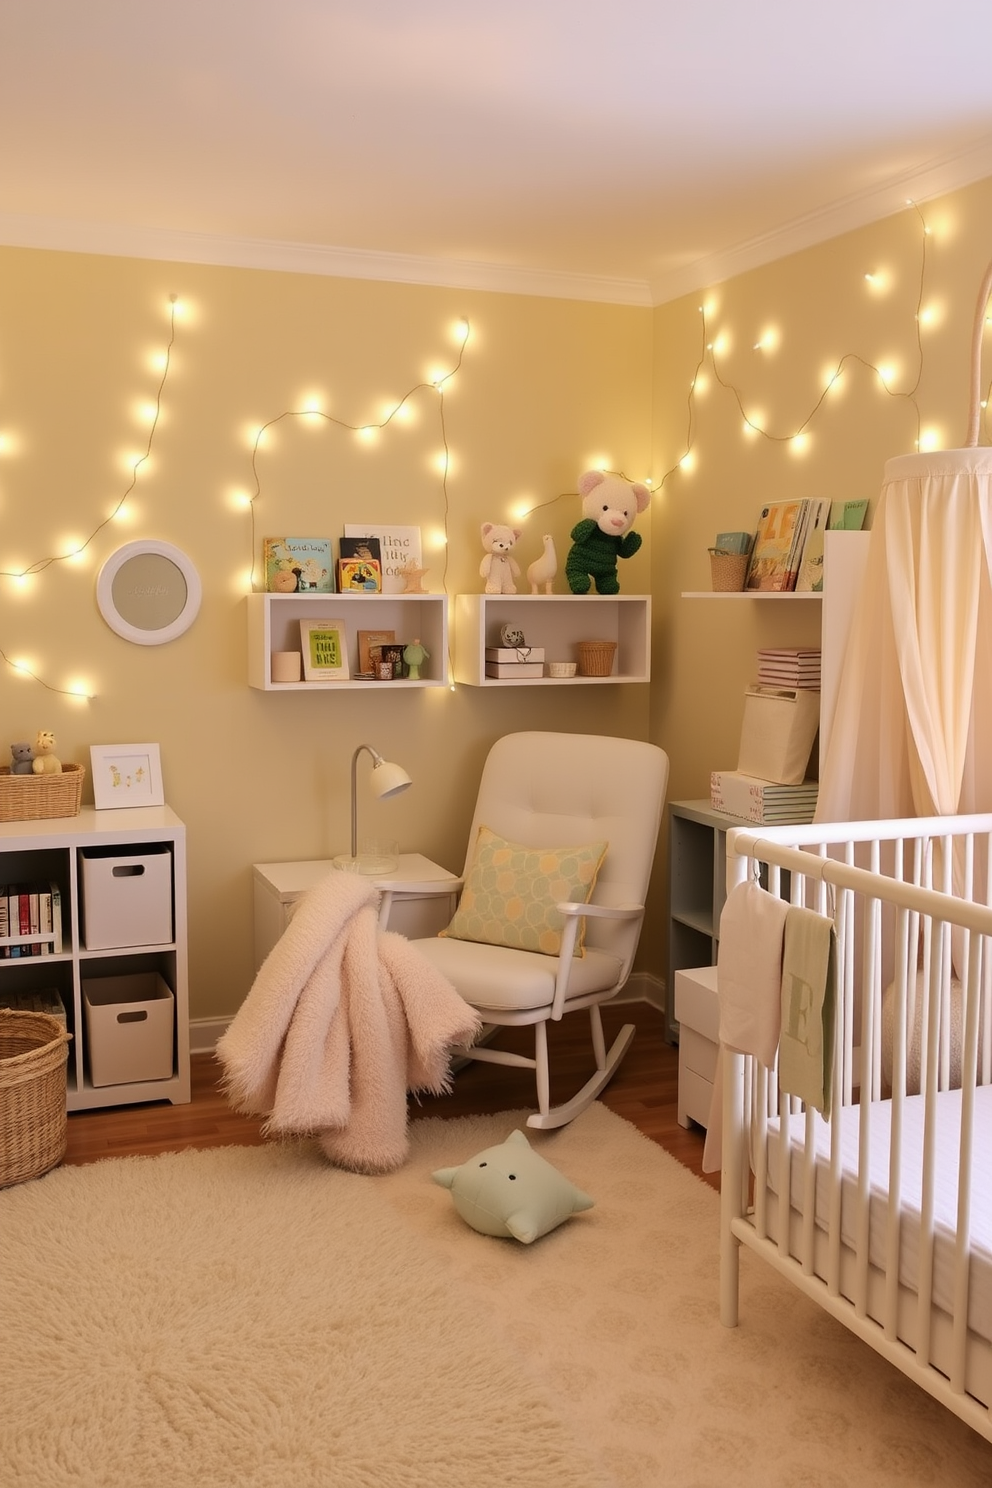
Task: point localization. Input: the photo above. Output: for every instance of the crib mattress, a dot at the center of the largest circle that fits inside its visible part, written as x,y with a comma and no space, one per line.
945,1190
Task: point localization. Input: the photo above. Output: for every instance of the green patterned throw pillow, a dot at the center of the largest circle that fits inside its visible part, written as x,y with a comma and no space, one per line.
511,891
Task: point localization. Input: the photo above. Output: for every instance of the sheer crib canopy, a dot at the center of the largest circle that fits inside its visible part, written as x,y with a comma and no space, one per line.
912,728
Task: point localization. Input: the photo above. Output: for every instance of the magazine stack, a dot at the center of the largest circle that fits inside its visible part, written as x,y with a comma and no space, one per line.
781,719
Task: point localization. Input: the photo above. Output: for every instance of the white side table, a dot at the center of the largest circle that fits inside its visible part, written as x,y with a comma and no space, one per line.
418,897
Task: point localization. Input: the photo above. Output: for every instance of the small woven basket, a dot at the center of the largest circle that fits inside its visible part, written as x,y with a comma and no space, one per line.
34,1048
728,571
596,657
31,797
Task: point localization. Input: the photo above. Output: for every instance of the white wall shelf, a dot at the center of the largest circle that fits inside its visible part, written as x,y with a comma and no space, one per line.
274,625
736,595
50,850
556,622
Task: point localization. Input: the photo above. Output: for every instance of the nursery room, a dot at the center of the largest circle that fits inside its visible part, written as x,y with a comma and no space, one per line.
382,628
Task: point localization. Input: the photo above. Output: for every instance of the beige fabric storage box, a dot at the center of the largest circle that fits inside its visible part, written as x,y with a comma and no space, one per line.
129,1028
126,900
777,735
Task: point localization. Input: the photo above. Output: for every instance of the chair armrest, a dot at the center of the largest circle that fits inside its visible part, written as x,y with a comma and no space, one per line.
602,911
573,913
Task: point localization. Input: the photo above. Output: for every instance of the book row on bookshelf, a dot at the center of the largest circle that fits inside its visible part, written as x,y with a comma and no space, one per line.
370,560
381,656
30,910
786,552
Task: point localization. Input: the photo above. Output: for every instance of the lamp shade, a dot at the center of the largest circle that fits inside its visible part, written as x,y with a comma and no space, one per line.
388,779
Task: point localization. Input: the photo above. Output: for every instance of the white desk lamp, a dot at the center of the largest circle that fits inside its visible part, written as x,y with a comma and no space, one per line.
386,780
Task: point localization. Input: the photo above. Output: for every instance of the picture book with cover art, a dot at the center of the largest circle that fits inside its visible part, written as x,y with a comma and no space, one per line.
776,552
360,565
298,565
400,550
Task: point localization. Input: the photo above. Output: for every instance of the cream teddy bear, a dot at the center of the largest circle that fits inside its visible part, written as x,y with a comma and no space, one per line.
45,761
497,568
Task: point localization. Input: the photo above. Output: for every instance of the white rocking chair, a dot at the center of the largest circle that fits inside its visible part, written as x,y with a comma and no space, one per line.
549,790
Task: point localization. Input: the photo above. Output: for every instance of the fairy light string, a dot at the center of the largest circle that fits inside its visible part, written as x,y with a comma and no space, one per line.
436,386
41,564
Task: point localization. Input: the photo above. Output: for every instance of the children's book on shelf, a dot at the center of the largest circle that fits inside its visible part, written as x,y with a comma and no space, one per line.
399,549
359,576
325,650
368,641
847,516
809,579
763,801
298,565
777,548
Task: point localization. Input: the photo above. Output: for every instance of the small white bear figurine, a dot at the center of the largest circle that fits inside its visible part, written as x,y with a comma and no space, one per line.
45,761
499,570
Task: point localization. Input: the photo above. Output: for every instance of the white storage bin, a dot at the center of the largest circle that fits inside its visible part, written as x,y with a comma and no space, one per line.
697,1008
126,900
777,735
129,1028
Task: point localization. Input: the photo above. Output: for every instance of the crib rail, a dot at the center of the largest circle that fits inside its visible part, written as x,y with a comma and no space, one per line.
855,1209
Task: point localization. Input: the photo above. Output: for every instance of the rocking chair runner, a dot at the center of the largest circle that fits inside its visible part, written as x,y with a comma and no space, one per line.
549,790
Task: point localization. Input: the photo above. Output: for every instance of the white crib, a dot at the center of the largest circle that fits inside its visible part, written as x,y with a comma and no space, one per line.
883,1214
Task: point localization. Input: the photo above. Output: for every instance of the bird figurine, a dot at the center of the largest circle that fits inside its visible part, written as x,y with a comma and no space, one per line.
542,571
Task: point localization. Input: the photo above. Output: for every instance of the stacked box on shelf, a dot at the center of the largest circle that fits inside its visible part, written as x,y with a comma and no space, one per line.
521,663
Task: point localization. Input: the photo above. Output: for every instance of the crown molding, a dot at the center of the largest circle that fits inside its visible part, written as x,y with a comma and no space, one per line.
938,178
118,241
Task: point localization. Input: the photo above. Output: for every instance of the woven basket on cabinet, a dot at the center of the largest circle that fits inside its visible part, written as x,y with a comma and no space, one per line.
31,797
595,657
34,1048
728,571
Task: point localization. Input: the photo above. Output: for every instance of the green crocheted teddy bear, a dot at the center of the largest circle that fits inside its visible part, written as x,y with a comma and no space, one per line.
609,506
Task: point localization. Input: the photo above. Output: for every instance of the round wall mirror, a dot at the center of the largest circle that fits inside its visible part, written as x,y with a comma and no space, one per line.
148,592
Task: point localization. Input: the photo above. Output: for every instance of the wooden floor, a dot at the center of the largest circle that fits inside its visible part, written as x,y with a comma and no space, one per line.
644,1091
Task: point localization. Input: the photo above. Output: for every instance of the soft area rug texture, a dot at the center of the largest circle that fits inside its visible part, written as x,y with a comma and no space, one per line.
255,1316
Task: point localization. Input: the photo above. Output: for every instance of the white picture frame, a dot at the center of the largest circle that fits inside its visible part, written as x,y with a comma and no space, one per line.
325,651
126,775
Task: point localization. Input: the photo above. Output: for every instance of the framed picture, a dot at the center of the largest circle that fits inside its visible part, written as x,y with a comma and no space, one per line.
126,775
325,653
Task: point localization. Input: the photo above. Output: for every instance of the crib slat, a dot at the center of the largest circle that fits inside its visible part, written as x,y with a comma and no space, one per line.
962,1247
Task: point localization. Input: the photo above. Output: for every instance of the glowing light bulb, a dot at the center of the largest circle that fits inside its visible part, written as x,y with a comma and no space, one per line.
460,331
721,345
258,436
436,537
799,443
688,461
147,413
768,340
158,361
521,511
831,377
751,429
442,462
367,433
886,374
700,384
929,439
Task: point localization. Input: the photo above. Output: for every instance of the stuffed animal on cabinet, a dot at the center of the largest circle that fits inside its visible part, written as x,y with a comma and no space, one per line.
498,568
609,506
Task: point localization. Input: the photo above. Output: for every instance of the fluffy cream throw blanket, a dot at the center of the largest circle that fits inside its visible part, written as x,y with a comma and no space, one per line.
341,1022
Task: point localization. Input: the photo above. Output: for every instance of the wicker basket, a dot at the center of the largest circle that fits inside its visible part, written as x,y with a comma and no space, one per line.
728,571
596,658
33,1052
30,797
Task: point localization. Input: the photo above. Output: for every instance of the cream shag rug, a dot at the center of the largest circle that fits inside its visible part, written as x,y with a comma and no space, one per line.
253,1316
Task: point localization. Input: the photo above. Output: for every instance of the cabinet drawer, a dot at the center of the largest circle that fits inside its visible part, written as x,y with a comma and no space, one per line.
695,1095
697,1053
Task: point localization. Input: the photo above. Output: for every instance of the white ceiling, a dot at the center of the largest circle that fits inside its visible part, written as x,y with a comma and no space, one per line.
628,151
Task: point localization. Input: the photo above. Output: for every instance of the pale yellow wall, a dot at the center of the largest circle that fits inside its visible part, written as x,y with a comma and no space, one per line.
825,312
546,388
